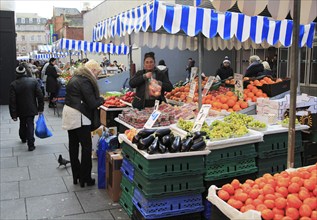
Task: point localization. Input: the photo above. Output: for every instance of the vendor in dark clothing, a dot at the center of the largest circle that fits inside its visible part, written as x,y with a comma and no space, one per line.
225,69
150,84
255,67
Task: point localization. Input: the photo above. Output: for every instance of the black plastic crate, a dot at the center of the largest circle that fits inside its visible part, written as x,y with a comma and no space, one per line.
136,215
309,154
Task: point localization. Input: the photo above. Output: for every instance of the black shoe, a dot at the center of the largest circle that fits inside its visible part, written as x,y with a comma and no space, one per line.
76,180
31,148
23,141
91,182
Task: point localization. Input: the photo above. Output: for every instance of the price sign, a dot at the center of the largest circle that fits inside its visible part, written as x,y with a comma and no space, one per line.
238,86
208,85
193,73
156,105
192,89
152,119
203,113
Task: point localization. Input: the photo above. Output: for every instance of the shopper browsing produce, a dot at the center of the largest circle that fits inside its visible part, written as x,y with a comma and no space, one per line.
150,84
255,66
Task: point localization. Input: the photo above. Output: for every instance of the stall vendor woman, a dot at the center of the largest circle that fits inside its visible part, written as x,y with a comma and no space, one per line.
150,84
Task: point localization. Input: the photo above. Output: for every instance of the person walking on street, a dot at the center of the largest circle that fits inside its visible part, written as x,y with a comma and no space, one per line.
80,117
25,101
51,81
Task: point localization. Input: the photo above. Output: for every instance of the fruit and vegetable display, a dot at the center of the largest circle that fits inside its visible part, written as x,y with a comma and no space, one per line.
252,93
114,102
169,114
285,122
162,141
233,125
111,94
285,195
128,97
66,76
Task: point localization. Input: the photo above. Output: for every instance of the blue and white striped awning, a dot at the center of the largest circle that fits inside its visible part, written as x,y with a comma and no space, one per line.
92,47
55,55
195,20
45,48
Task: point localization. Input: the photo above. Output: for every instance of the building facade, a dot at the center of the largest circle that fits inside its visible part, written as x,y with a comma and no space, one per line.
30,32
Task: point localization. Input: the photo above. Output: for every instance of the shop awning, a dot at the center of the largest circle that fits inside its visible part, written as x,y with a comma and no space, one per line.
45,48
191,21
278,9
46,56
92,47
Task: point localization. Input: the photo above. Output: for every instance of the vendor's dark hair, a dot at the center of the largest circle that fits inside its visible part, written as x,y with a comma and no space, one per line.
52,60
149,54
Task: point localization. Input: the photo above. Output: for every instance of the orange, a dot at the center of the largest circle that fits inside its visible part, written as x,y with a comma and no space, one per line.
283,190
250,87
314,215
257,202
293,201
235,203
230,110
243,105
297,179
229,93
229,188
254,193
248,201
223,99
224,195
305,210
269,203
250,94
264,95
241,196
260,207
235,183
310,184
280,203
278,217
249,207
278,211
267,214
259,94
292,213
231,102
305,218
282,182
254,99
303,194
293,187
270,197
312,202
268,189
255,90
224,106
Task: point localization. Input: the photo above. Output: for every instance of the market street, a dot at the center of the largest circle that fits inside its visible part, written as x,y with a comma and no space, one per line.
32,187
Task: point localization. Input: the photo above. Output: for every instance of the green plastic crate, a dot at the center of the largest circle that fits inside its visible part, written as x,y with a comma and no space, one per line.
169,167
128,151
126,203
276,164
159,188
277,144
230,169
127,186
231,153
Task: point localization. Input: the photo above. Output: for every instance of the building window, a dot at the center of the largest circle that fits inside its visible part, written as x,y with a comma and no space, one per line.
39,38
23,20
19,20
32,37
39,21
23,38
23,48
26,20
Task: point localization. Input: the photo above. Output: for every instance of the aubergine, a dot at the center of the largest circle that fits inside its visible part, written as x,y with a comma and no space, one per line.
198,134
167,140
187,143
162,132
198,146
162,148
198,140
136,139
153,148
176,145
146,132
144,143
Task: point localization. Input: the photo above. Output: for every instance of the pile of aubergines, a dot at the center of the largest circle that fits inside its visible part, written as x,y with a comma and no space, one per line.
162,140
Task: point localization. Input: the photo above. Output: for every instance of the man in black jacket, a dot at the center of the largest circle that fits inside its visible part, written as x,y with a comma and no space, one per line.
26,101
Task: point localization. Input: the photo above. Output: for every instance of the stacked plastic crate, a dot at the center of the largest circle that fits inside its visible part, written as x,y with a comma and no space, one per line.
272,152
160,188
224,165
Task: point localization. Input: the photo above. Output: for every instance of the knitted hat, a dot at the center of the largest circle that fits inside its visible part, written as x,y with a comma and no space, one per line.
226,60
20,70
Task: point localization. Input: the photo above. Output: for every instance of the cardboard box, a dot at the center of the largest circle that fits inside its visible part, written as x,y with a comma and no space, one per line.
113,174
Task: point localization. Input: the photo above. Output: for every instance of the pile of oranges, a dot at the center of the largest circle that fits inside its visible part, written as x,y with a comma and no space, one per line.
283,196
228,101
251,93
265,80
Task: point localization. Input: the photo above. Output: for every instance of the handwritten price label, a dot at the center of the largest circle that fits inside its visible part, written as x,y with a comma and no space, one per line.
201,117
152,119
192,89
208,85
193,73
238,86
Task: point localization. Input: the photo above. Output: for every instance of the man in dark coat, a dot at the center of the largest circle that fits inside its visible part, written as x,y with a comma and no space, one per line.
26,101
255,68
51,81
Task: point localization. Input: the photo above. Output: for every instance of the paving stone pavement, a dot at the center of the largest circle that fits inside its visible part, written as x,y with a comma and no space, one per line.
33,187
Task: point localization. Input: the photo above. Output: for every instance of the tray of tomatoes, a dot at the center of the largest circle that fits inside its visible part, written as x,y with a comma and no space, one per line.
114,102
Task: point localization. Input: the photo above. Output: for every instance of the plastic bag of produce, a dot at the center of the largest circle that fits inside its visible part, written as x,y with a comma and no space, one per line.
41,129
154,88
101,153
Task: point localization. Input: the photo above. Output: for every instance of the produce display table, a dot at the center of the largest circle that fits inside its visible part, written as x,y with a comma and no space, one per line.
122,126
107,115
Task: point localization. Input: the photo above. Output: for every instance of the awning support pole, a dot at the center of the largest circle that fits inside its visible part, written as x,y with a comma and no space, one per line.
200,67
294,82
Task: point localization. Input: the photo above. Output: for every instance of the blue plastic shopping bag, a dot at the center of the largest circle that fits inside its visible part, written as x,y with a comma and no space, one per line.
101,153
41,129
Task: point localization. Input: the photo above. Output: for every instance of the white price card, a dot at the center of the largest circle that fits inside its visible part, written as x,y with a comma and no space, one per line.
152,119
208,85
193,73
192,89
156,105
238,86
201,117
